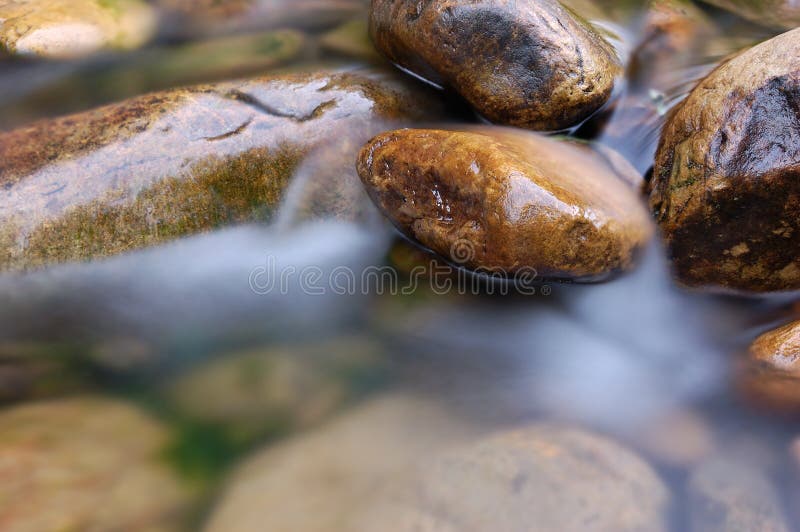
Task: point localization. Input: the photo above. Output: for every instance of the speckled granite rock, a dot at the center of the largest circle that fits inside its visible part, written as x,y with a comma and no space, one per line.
168,164
68,28
726,183
508,200
528,64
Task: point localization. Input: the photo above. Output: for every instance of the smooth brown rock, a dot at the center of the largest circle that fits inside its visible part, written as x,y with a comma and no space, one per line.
507,200
771,374
542,477
527,64
70,28
86,463
167,164
331,479
727,495
726,183
783,14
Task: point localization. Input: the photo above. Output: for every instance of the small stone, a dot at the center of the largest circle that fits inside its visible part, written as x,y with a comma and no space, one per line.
543,477
726,182
71,28
331,479
677,439
771,376
294,387
164,165
781,14
726,495
527,64
351,39
508,201
86,463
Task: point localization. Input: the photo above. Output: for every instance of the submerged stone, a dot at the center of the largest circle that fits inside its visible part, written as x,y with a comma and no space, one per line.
726,183
68,28
508,201
527,64
783,14
771,376
164,165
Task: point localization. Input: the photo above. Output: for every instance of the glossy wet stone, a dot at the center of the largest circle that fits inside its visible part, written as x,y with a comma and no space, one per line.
527,64
86,463
783,14
508,201
540,477
331,479
726,494
726,183
160,166
771,374
68,28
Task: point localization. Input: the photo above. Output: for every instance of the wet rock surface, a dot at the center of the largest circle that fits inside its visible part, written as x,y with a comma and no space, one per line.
725,187
527,64
69,28
726,495
783,14
507,201
168,164
85,463
331,479
771,377
542,477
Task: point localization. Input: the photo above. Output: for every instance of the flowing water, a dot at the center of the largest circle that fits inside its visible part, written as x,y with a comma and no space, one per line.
635,358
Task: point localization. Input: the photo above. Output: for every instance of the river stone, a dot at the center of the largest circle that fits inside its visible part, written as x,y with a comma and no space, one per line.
291,387
726,183
331,479
168,164
507,200
85,463
527,64
542,477
69,28
771,376
727,495
782,14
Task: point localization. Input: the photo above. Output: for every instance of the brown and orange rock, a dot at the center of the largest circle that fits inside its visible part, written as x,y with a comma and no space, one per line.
527,64
168,164
502,199
771,375
726,183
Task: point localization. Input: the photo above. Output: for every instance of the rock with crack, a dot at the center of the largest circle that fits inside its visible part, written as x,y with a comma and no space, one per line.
167,164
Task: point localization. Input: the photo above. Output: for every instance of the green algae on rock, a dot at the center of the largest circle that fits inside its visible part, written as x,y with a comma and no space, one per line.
69,28
168,164
782,14
86,463
527,64
505,201
726,183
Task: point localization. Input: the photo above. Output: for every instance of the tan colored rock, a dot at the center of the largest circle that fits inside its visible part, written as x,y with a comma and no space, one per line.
331,479
507,200
164,165
783,14
527,64
293,386
542,477
771,376
70,28
680,438
725,187
85,463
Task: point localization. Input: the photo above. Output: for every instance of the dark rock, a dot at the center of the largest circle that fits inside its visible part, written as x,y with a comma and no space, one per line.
726,183
528,64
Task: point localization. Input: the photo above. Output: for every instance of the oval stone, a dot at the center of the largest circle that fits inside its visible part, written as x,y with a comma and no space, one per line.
508,200
527,64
